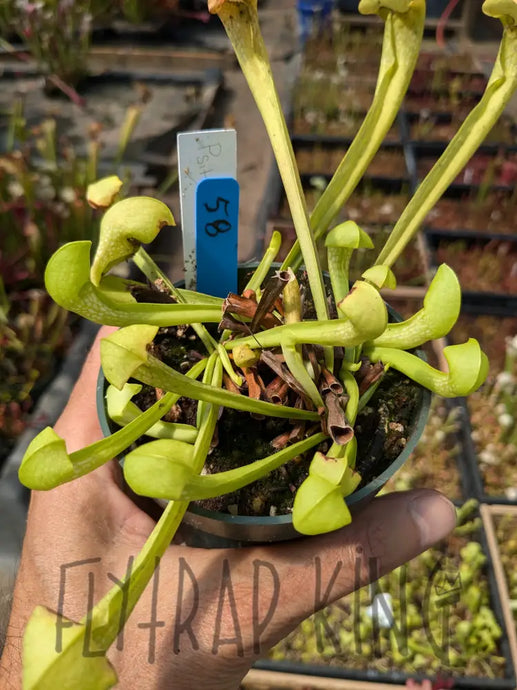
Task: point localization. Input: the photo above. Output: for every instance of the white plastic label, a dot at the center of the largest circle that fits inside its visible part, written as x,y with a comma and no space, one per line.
201,155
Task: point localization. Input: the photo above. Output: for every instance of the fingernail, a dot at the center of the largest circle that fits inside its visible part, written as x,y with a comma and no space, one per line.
434,516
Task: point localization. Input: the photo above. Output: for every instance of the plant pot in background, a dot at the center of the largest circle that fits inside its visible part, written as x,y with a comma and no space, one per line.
488,428
485,267
441,602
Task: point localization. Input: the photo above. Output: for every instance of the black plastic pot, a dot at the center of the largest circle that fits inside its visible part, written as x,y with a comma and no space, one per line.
213,529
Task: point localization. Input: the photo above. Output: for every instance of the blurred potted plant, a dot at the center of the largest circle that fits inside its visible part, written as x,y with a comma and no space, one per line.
57,34
43,182
333,359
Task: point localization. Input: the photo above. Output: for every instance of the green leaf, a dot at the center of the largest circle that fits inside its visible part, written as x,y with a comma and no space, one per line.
46,463
124,351
124,227
260,273
348,235
319,507
341,242
401,43
473,131
329,468
365,309
380,277
174,478
46,669
468,368
154,468
122,410
319,504
103,192
240,20
440,311
68,283
376,6
156,373
502,9
366,318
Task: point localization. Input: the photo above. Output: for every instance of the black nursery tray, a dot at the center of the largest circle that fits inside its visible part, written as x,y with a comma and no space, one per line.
490,461
170,103
323,158
481,211
472,464
341,643
485,265
491,166
374,202
432,130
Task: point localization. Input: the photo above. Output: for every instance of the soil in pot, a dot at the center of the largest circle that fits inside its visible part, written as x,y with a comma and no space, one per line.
446,586
382,430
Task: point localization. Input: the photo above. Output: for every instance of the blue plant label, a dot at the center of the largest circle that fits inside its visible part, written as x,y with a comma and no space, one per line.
201,155
217,223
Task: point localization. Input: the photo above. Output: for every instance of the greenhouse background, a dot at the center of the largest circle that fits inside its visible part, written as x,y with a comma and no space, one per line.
106,92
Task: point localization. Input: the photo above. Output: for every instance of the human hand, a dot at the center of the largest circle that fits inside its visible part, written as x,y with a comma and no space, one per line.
207,615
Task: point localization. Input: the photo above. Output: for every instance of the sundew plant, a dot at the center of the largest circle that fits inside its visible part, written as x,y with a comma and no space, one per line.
321,360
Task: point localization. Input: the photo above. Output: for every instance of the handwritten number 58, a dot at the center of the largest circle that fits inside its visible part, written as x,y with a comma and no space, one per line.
220,225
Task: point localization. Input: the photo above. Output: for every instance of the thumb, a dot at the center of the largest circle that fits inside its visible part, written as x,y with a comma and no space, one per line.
390,531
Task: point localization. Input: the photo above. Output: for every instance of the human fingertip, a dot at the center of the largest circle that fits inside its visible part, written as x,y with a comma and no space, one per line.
434,516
